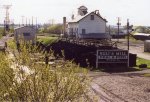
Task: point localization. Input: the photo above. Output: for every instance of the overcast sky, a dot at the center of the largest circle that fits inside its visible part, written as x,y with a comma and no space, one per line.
45,10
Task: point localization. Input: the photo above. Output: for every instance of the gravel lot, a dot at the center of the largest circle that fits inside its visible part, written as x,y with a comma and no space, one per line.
125,86
136,47
122,87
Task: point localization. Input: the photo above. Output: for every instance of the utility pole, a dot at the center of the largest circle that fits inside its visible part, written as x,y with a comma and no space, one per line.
7,20
22,20
36,24
128,33
32,21
4,28
118,24
29,21
109,29
26,21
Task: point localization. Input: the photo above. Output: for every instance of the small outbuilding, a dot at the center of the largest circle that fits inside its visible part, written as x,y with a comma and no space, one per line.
147,46
25,34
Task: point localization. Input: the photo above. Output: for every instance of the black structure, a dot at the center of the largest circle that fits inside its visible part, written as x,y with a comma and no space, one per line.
82,54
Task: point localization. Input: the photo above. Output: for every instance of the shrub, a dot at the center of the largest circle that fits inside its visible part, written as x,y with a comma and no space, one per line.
24,79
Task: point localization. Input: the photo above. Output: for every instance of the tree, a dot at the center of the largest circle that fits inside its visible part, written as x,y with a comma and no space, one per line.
142,29
55,29
52,29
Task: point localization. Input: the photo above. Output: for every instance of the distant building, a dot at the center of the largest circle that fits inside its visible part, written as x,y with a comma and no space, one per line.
147,46
87,25
26,34
142,36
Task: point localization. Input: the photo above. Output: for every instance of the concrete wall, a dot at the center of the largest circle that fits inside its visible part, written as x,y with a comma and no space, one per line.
147,46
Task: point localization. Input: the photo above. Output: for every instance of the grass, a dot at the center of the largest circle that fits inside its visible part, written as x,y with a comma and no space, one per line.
1,36
143,61
146,75
46,40
11,44
48,34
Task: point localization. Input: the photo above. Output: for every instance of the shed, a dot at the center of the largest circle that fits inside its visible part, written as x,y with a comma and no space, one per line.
147,46
25,33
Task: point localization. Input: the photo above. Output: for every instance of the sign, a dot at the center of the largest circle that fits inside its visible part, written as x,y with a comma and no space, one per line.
112,56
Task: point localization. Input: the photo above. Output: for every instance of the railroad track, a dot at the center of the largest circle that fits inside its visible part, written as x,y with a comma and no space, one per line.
105,95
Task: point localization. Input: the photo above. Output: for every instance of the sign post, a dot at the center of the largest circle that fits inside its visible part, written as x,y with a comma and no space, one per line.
112,56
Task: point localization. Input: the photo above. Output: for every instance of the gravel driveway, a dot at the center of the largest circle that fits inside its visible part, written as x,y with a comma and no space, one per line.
122,87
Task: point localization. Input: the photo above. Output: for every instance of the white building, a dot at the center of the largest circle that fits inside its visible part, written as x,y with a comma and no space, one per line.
25,33
88,25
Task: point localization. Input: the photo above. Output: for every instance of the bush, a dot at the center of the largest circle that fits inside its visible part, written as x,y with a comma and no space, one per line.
1,32
52,29
24,79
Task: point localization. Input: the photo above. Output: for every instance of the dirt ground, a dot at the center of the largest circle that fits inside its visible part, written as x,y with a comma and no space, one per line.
136,47
121,87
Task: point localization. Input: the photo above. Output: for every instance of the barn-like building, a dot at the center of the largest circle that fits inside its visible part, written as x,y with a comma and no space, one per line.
25,33
87,25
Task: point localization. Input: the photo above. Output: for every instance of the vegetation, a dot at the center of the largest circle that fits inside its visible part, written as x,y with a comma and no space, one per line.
47,40
1,32
11,44
0,36
24,78
142,29
143,61
147,75
51,29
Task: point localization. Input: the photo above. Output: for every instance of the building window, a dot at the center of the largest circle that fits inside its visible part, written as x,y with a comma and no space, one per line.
26,34
83,31
92,17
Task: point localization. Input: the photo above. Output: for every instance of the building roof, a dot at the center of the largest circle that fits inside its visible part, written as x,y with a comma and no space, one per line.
24,27
79,18
141,34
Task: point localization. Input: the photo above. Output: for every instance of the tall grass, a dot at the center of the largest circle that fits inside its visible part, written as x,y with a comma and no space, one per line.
24,79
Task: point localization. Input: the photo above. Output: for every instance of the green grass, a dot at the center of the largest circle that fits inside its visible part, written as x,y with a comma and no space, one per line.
11,44
146,75
0,36
46,40
143,61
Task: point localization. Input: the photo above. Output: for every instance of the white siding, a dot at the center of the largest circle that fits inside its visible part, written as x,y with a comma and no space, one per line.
74,27
97,25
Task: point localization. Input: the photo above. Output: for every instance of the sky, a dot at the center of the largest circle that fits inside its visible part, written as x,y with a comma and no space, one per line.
137,11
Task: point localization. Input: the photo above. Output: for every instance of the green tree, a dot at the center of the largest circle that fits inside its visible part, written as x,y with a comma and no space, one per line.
55,29
142,29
